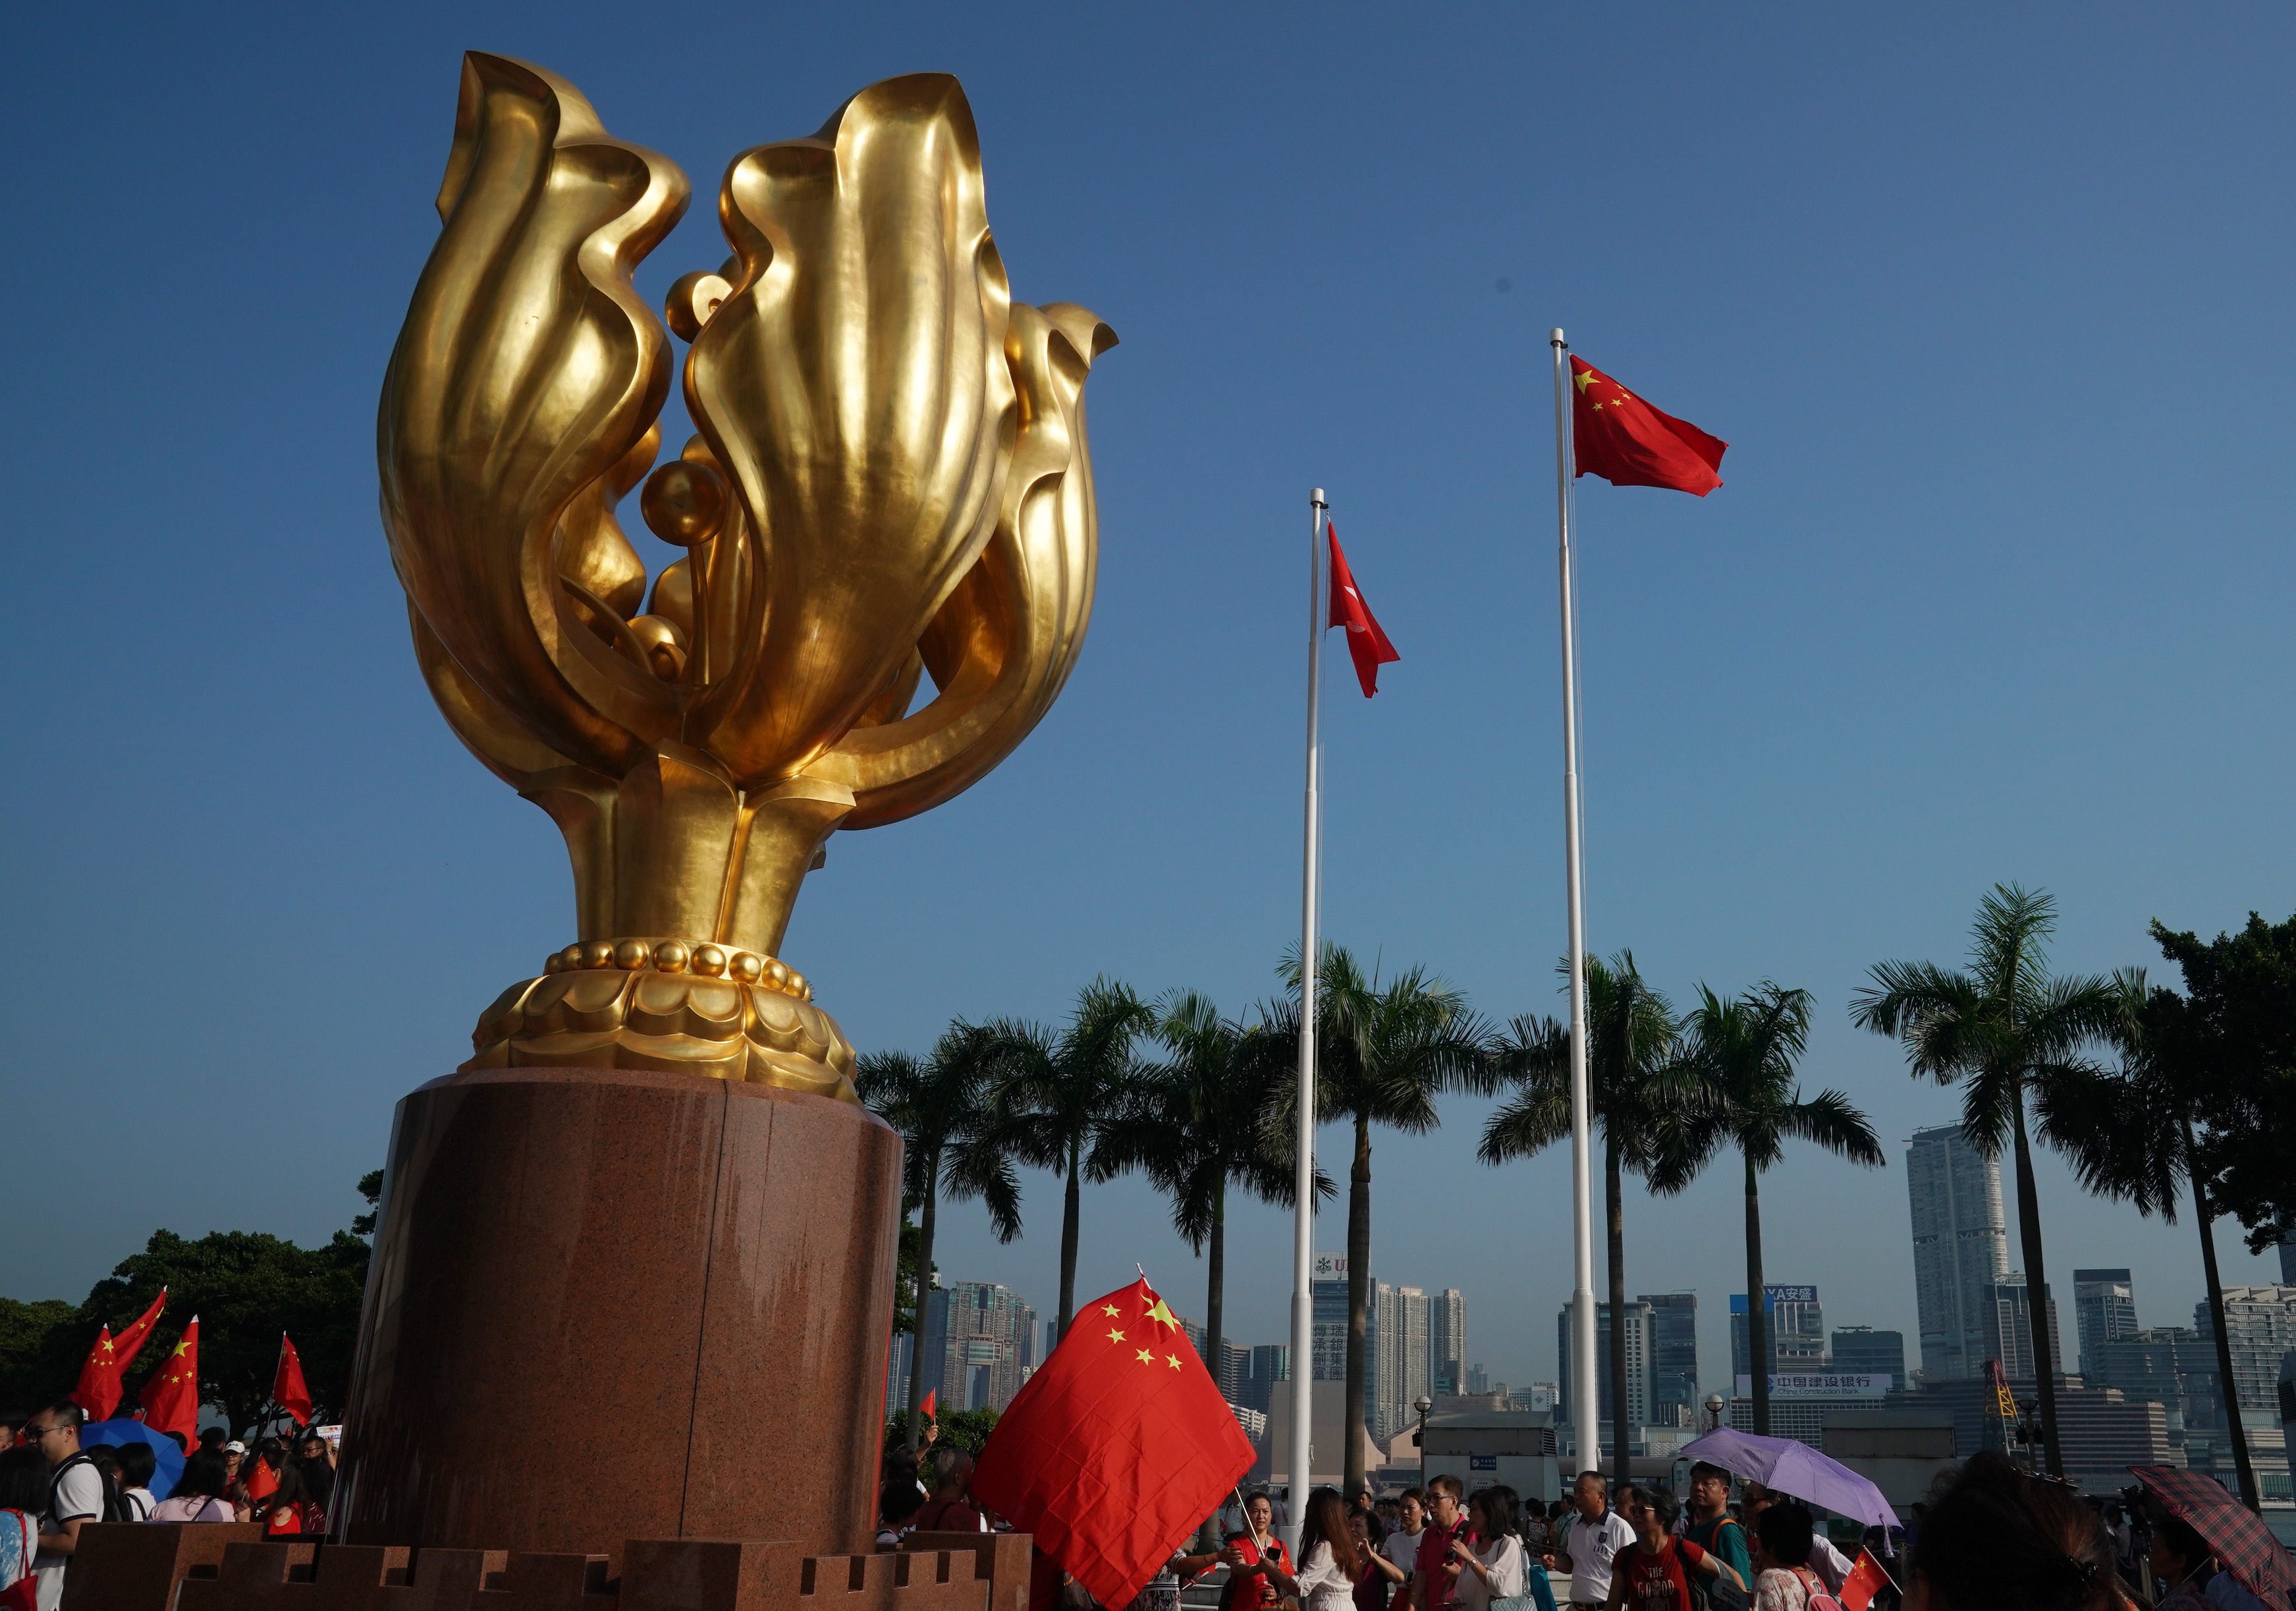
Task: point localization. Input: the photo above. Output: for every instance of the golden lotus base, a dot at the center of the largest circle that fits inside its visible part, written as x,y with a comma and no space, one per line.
672,1022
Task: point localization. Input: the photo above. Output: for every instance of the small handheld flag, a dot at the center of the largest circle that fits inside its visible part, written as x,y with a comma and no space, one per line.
1865,1580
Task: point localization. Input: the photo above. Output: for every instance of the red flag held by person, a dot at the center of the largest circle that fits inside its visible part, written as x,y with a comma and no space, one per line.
99,1389
130,1342
1865,1580
1117,1448
171,1398
287,1389
1367,644
925,1410
1628,443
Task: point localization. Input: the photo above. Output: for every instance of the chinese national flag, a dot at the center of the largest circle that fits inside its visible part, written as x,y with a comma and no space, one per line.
287,1389
1367,644
1865,1580
1628,443
171,1398
130,1342
925,1411
99,1390
1117,1448
262,1482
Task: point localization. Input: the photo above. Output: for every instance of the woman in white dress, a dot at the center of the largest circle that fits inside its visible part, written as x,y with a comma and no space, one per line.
1329,1565
1492,1566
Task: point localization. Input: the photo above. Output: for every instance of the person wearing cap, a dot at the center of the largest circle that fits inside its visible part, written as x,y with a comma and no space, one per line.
234,1453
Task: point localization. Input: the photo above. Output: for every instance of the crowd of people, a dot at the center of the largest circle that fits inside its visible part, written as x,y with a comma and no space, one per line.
52,1485
1992,1538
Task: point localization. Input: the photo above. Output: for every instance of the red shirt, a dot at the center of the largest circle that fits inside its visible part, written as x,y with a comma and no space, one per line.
946,1515
1660,1582
1433,1587
1268,1594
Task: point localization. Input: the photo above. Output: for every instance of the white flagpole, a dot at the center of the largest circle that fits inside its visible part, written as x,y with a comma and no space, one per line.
1303,1236
1586,1401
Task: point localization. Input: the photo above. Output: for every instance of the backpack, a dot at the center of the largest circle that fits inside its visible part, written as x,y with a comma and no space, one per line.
1819,1598
116,1508
1718,1594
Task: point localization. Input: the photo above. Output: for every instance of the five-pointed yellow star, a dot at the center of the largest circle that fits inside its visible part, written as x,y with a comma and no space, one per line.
1585,378
1164,1315
1115,1336
1144,1356
1173,1360
1109,1308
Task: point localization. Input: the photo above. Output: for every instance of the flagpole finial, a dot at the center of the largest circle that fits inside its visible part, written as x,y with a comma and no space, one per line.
1316,497
1554,337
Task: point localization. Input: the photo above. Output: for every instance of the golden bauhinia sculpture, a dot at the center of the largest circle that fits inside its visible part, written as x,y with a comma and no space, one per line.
890,479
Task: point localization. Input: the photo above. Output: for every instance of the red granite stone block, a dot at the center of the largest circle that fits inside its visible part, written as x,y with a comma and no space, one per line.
710,1574
135,1566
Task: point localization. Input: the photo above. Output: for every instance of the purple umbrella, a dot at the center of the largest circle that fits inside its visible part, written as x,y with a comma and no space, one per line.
1786,1467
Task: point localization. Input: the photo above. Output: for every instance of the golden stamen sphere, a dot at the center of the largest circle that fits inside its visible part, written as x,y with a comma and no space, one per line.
671,957
683,503
597,953
747,966
632,955
709,961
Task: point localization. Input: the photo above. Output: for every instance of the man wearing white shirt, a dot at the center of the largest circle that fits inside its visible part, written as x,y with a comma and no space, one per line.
1594,1535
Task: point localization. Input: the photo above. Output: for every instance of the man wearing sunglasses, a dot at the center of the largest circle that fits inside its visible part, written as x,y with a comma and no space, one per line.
75,1495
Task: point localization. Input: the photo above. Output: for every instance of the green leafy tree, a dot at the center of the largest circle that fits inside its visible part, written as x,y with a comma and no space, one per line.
965,1429
1056,1090
2240,1023
31,1334
2130,1135
1383,1054
940,1107
1631,1091
2006,1033
1744,1093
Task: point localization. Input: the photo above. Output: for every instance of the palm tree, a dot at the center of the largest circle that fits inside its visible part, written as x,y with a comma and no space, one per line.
1205,1120
1055,1090
938,1106
2129,1136
2007,1032
1630,1042
1741,1055
1382,1056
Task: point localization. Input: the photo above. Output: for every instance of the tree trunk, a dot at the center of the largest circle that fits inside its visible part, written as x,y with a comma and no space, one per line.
1359,1295
1215,1317
2037,1288
2231,1395
1622,1420
1068,1211
1757,1320
923,1297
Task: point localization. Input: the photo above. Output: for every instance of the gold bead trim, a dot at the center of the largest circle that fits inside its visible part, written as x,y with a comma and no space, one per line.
680,956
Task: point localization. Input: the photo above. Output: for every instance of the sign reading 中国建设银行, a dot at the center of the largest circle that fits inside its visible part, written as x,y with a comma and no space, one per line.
1822,1384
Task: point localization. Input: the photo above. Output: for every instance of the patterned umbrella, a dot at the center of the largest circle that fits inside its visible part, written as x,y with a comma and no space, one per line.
2238,1538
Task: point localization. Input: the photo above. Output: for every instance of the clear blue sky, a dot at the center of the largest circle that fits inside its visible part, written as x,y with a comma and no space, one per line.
1991,304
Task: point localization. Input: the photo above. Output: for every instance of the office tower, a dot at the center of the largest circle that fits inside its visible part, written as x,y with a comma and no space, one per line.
1539,1395
2008,1328
1234,1373
1674,1357
2260,1325
2104,1307
1447,1340
1961,1248
1329,1294
1479,1382
978,1338
1794,1325
1862,1350
1271,1362
897,1371
1639,1345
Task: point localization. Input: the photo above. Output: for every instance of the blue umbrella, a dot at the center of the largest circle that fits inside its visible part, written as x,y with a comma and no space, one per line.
168,1453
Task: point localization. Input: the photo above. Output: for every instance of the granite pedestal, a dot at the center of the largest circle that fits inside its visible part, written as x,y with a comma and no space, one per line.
608,1304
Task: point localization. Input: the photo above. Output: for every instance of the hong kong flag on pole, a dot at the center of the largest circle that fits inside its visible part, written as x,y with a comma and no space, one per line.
1367,646
1117,1448
287,1389
1628,443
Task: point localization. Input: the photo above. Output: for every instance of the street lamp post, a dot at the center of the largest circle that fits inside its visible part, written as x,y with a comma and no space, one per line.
1713,1411
1422,1404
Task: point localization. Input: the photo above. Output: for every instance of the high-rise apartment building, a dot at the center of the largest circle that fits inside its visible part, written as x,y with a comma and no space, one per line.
1406,1319
2009,1331
1447,1338
1271,1362
2260,1325
1795,1327
1639,1342
2104,1307
979,1340
1961,1248
1862,1350
1479,1382
1674,1357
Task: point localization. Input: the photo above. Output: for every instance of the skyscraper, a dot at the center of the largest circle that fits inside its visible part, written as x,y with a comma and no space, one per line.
1271,1362
1961,1248
1862,1350
1794,1328
1329,1292
1639,1330
2260,1325
978,1337
1674,1357
2009,1333
2105,1306
1446,1335
1402,1374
